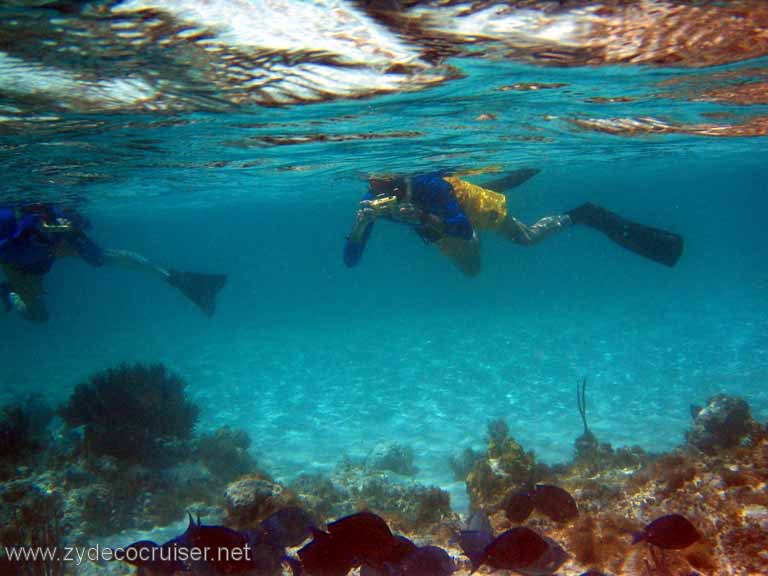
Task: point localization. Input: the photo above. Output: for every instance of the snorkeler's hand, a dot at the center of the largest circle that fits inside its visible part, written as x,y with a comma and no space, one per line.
365,215
407,213
17,303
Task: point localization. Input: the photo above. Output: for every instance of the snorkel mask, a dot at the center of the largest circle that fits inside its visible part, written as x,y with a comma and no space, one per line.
58,225
387,191
56,221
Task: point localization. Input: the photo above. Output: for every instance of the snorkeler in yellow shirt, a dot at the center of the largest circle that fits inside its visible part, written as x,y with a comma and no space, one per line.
449,211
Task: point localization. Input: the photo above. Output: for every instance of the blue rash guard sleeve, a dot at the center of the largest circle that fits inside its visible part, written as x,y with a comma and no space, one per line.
436,196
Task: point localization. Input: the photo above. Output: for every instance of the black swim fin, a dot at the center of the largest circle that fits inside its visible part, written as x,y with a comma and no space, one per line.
200,288
658,245
511,180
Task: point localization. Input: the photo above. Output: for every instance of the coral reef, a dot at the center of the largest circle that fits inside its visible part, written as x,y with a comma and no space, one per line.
505,468
22,432
409,506
138,414
252,498
70,487
591,455
320,495
225,453
724,422
394,457
126,455
31,517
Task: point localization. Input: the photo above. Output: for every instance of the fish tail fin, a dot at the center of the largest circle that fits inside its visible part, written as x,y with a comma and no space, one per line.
476,560
296,568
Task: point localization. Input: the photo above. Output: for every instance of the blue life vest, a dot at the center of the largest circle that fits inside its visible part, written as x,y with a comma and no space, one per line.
19,248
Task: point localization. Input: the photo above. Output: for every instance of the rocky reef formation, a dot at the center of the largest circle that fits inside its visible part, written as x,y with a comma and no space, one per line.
252,498
505,468
717,479
225,451
408,506
724,422
393,457
124,455
63,485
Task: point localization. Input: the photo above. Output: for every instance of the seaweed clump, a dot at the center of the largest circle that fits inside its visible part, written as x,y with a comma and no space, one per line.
15,440
505,468
22,428
587,446
225,453
137,414
393,457
32,518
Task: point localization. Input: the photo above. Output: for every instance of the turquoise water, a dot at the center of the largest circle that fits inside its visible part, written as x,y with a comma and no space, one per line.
315,361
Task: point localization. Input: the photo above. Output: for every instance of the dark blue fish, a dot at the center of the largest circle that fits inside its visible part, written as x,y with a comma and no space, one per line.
427,561
548,563
326,556
356,540
513,549
479,521
476,537
554,502
671,532
518,506
266,556
367,537
424,561
473,543
228,550
159,560
288,526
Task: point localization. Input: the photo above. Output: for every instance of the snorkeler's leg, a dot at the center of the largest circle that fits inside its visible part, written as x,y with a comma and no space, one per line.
658,245
133,261
200,288
23,292
465,254
517,232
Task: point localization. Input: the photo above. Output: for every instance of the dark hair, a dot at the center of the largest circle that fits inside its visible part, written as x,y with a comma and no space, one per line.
389,185
49,212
